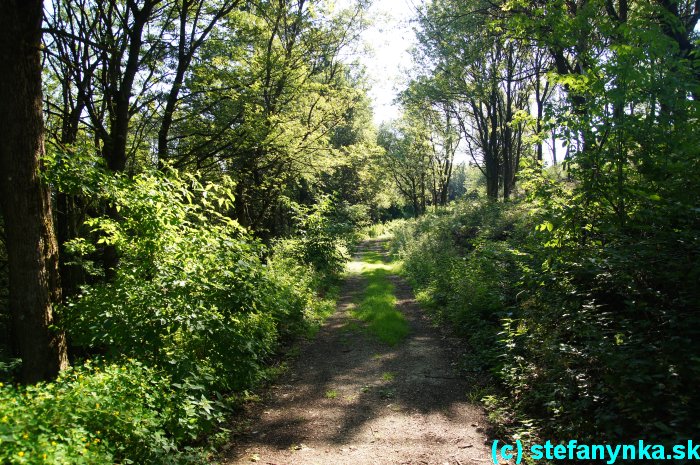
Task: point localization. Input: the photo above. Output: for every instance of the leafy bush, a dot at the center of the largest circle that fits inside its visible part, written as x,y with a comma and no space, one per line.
195,302
299,308
190,292
460,262
610,306
590,330
102,414
323,233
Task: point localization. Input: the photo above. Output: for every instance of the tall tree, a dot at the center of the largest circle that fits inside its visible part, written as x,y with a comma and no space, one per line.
26,203
196,20
407,159
264,101
428,102
109,57
483,76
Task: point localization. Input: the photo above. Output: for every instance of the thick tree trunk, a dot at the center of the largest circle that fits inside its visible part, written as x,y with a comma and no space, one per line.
26,204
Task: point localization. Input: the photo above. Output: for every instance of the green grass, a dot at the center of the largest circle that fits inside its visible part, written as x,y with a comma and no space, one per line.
331,394
324,309
377,307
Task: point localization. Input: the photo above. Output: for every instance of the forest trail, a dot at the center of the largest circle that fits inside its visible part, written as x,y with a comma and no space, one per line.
352,399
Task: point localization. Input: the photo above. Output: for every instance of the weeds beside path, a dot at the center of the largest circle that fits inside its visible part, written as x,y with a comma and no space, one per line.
376,386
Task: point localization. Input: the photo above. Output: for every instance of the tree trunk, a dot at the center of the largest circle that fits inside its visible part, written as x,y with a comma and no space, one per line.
184,58
508,153
26,205
69,217
69,207
491,178
540,115
491,158
115,146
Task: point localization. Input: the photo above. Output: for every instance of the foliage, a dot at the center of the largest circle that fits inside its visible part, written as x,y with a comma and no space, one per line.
103,414
375,231
324,231
480,84
607,307
462,265
304,297
256,91
584,300
568,328
198,302
190,293
199,274
276,110
408,159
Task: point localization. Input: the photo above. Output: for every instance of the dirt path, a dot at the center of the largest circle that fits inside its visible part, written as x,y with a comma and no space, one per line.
351,399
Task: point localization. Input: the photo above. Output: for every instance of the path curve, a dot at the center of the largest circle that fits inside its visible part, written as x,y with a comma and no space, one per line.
351,399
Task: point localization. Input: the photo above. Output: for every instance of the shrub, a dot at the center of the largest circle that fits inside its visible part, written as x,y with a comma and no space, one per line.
323,233
101,414
195,304
463,266
190,293
591,330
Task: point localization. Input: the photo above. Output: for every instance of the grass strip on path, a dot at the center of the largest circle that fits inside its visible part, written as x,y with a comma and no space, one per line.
377,306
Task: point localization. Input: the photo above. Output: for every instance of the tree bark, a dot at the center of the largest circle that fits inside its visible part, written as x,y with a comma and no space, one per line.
26,203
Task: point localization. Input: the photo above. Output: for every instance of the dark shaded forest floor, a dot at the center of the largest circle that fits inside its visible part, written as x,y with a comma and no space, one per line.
351,399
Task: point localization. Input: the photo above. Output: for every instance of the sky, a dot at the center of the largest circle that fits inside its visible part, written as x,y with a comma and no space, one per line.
387,59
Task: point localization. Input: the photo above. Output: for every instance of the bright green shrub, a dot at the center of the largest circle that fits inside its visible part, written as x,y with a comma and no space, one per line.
323,233
298,307
190,293
194,298
99,414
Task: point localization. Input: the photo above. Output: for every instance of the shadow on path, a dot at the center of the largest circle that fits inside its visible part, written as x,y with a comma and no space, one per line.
351,399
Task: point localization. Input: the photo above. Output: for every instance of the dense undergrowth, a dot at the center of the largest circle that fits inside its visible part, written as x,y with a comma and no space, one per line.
587,333
195,311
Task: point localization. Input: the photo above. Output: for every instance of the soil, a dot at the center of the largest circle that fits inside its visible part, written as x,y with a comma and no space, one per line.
351,399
